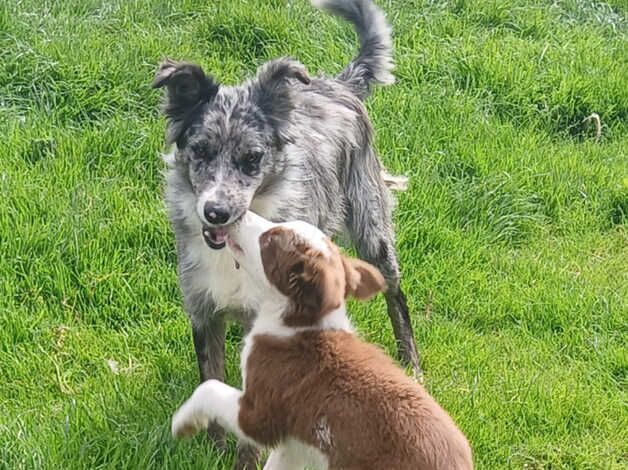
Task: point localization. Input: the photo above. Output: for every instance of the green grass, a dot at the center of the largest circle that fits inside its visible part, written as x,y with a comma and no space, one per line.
512,237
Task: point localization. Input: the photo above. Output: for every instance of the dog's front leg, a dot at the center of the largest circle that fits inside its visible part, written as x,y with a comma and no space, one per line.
208,332
212,401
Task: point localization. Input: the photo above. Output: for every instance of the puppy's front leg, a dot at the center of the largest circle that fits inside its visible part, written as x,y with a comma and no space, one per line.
211,401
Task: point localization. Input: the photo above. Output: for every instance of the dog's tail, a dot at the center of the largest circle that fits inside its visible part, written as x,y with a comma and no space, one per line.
374,62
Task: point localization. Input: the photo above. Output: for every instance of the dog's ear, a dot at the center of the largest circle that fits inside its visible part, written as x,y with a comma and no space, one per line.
187,88
363,280
272,91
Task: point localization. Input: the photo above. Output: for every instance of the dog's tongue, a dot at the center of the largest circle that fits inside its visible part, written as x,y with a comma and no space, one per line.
218,235
215,237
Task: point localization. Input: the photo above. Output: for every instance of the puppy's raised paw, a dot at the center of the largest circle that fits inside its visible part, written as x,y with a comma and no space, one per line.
187,421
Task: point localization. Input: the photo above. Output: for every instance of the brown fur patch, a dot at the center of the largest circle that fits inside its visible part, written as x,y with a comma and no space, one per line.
312,282
345,397
363,281
315,283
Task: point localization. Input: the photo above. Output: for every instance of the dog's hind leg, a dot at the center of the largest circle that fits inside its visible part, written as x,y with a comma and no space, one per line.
381,253
369,220
400,318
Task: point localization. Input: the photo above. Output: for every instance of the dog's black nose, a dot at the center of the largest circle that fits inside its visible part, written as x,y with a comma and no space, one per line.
215,215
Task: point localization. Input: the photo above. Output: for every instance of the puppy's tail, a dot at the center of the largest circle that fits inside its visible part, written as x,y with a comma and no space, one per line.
374,62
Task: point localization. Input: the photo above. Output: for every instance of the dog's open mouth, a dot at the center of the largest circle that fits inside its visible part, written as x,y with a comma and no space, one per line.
215,237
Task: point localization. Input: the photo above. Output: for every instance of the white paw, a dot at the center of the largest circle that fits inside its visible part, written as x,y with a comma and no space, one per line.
187,421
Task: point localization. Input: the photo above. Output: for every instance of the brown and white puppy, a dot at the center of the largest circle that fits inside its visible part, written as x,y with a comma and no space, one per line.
312,390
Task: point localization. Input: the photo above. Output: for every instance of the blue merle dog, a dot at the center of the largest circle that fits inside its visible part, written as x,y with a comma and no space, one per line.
288,147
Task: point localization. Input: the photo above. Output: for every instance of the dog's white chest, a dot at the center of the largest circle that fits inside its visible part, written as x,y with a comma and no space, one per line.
216,275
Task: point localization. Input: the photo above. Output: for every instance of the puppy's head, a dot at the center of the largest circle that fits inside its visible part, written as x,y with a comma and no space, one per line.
228,137
299,267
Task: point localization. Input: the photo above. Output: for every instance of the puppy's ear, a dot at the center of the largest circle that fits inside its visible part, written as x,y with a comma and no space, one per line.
272,91
363,280
187,88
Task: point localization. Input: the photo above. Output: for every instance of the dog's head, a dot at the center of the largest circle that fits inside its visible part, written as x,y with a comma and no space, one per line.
228,138
297,266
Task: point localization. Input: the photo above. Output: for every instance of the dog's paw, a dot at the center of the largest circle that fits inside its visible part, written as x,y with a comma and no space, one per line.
187,421
247,458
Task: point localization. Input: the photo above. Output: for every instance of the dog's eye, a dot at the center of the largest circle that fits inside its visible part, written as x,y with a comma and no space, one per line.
200,152
250,162
253,158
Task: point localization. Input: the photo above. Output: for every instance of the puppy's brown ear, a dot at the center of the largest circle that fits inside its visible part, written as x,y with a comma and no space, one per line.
363,280
272,91
187,88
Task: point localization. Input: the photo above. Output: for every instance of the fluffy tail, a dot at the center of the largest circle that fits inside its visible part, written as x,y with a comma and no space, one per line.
374,62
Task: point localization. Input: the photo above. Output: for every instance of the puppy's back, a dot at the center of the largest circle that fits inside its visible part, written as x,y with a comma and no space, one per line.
348,399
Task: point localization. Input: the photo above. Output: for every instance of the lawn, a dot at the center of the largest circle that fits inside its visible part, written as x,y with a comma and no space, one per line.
512,236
